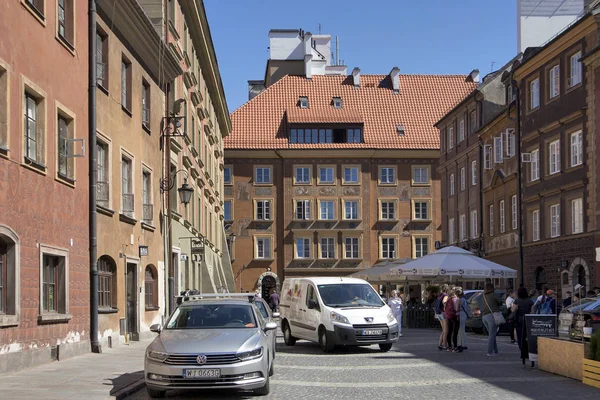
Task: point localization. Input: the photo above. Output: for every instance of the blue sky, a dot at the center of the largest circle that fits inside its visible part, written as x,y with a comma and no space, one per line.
420,37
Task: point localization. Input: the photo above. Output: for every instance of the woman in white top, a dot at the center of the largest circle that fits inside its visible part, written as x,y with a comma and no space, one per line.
510,299
395,304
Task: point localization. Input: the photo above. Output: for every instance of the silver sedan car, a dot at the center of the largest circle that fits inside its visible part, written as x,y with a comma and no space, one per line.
214,343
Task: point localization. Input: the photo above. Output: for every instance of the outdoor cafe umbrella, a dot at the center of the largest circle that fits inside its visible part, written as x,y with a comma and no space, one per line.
380,272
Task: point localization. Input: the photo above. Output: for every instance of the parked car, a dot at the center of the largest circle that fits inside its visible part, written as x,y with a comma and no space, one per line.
476,303
470,293
335,311
211,343
269,316
574,318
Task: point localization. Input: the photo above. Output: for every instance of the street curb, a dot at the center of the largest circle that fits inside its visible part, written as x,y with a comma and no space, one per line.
128,390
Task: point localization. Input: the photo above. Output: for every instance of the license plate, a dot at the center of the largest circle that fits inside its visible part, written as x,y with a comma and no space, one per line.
373,332
201,373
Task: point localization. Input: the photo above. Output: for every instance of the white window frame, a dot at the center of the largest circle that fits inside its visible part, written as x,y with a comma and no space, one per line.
418,246
534,94
502,217
260,171
385,242
302,250
330,241
535,165
423,172
419,216
352,168
451,238
451,184
576,139
306,208
305,175
554,82
555,220
473,172
461,130
349,208
576,70
487,157
385,216
450,138
514,211
326,168
509,143
354,247
554,157
323,202
230,181
266,239
462,228
390,170
474,226
463,179
267,210
535,222
577,215
498,150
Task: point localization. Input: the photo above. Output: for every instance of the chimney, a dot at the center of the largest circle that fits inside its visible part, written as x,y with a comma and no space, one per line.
308,55
395,77
474,76
356,77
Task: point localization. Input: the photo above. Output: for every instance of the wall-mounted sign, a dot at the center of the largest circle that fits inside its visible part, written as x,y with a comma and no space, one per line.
143,251
197,246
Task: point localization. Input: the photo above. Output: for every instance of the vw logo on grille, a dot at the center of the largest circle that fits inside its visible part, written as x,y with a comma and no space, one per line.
369,319
201,359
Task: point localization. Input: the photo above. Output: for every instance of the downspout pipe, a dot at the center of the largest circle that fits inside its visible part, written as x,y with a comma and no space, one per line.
517,104
167,171
93,174
479,113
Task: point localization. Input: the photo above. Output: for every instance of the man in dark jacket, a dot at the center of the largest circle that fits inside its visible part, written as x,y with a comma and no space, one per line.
274,303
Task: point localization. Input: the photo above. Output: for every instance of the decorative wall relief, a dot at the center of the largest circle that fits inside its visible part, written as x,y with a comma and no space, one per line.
242,225
263,191
327,191
302,190
387,191
242,190
404,193
421,192
352,191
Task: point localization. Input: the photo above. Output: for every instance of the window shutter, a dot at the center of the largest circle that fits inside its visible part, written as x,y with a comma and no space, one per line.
498,150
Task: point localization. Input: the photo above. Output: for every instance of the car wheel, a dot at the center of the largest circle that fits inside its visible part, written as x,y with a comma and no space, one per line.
326,345
385,346
287,335
272,369
156,394
263,391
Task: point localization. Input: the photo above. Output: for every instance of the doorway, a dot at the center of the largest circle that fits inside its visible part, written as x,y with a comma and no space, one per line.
268,283
132,303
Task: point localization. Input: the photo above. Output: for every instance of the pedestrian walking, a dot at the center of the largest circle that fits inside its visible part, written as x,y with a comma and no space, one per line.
521,306
450,311
395,304
464,313
510,299
274,303
491,305
438,307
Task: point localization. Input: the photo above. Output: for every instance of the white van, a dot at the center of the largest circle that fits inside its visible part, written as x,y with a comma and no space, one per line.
335,311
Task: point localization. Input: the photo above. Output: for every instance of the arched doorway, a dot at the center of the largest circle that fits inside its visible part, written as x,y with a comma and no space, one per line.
540,279
266,282
580,274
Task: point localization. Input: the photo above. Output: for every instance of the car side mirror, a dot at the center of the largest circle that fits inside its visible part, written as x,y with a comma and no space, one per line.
270,326
156,328
312,304
276,315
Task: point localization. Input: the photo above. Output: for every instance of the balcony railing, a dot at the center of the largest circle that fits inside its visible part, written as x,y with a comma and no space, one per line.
102,193
128,204
147,213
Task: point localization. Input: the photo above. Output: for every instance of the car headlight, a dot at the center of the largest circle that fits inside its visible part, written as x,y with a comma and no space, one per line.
250,355
157,355
335,317
391,317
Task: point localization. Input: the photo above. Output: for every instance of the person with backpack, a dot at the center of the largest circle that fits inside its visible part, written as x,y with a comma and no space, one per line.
464,312
450,313
438,308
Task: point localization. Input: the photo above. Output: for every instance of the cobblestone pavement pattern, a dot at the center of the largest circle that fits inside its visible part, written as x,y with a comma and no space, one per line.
413,369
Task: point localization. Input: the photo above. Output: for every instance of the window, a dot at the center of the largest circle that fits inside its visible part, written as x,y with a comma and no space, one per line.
462,179
34,133
555,220
535,222
575,66
576,149
420,175
147,209
327,209
9,270
146,108
303,102
577,216
150,288
263,247
4,108
126,85
337,102
327,248
228,175
387,175
303,210
421,210
534,94
451,184
461,130
513,201
353,136
535,165
54,283
102,188
487,156
421,246
227,210
462,228
66,21
326,175
498,150
37,7
50,283
106,282
554,82
66,163
472,122
309,135
263,210
351,209
450,137
127,187
473,173
351,175
302,175
388,210
502,220
302,247
509,143
554,157
474,226
351,247
388,248
451,239
102,59
491,220
262,175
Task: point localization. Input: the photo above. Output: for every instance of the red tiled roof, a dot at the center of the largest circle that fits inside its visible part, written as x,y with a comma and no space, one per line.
261,123
323,115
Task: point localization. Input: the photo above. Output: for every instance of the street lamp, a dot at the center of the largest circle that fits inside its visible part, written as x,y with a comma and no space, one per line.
185,193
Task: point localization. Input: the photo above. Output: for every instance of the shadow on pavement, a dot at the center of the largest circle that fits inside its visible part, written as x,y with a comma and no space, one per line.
121,383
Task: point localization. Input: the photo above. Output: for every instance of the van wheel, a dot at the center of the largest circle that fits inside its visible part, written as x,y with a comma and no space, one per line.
385,347
326,345
287,334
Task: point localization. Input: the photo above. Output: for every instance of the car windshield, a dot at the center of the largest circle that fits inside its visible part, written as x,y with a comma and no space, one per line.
263,309
212,316
349,295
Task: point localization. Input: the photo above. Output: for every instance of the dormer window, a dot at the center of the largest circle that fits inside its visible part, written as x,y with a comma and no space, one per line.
303,102
337,102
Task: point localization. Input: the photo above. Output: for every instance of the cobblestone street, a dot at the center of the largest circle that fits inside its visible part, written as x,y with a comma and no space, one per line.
413,369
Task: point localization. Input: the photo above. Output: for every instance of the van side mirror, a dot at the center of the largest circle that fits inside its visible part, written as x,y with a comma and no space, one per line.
312,304
156,328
